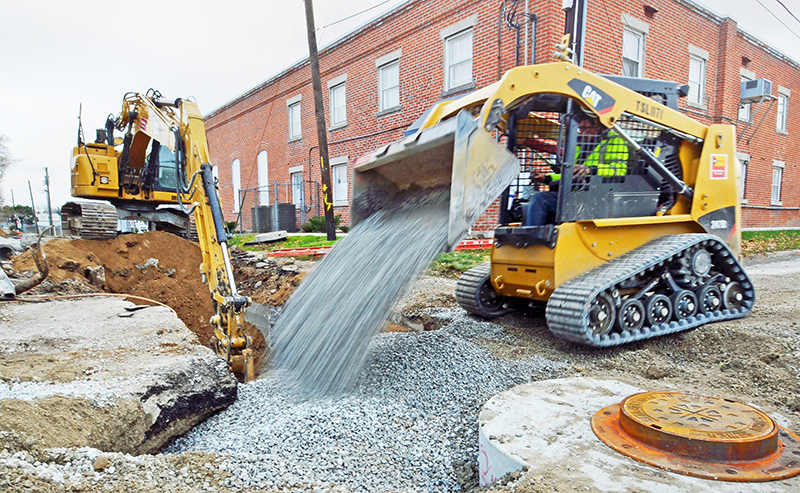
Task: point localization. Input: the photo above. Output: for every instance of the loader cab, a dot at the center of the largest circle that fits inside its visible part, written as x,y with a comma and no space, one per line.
556,135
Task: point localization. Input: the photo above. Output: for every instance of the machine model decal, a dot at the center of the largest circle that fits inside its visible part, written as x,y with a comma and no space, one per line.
594,96
649,108
719,166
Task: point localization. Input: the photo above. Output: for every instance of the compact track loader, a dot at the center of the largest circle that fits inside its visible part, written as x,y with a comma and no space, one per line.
648,249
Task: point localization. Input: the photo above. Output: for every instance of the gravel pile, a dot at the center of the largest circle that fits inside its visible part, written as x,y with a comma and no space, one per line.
409,425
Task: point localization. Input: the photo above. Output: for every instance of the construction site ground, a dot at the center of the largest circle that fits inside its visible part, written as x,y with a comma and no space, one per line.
754,360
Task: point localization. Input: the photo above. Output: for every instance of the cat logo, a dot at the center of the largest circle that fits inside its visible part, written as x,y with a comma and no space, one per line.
591,96
594,96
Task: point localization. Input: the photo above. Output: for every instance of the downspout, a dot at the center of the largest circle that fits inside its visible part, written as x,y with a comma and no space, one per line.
500,39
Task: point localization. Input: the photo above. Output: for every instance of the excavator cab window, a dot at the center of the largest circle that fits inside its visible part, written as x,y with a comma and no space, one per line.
167,179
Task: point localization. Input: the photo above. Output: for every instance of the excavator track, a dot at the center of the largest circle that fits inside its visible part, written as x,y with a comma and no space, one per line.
90,221
666,286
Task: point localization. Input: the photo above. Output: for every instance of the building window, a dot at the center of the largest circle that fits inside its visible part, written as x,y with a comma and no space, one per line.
389,86
339,180
697,80
296,178
697,76
337,88
458,60
783,110
744,160
744,108
295,120
632,53
236,178
633,34
263,179
777,178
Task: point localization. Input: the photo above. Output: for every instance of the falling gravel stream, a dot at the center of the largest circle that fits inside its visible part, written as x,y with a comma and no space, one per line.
322,335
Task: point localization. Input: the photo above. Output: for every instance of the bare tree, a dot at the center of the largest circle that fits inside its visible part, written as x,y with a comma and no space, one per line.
5,160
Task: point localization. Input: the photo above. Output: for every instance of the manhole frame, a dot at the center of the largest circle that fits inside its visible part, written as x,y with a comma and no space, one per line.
629,430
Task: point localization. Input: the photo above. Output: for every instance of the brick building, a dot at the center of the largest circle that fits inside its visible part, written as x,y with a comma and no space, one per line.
379,79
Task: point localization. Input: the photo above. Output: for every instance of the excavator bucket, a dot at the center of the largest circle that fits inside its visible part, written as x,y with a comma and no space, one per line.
456,153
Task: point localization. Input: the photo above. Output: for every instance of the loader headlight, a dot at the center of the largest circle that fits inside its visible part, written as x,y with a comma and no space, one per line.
495,113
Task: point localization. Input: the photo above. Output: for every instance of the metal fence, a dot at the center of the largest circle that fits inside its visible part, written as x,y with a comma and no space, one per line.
279,206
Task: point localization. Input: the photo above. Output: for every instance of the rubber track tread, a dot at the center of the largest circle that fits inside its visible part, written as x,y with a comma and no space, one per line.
467,289
568,308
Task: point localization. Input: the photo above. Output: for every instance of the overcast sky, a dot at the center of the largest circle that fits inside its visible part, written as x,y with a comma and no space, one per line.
57,54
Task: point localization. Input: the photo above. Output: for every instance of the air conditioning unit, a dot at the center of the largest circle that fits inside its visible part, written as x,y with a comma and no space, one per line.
754,90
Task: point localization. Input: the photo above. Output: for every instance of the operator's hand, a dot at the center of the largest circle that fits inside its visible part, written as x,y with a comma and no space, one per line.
581,170
539,176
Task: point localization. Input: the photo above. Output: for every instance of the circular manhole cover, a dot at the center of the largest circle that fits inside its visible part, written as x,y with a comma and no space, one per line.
700,436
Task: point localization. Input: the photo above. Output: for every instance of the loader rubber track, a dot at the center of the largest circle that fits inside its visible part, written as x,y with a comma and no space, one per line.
568,310
95,221
475,294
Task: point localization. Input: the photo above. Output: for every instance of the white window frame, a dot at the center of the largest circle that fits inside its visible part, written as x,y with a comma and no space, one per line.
777,182
297,193
295,117
339,188
263,177
745,109
453,34
386,91
236,180
782,123
639,30
744,163
337,88
697,88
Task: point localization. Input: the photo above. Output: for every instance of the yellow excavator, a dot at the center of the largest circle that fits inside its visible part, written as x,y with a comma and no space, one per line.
162,159
649,248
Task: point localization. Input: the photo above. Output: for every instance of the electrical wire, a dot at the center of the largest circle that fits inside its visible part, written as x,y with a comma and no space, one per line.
779,19
787,10
355,15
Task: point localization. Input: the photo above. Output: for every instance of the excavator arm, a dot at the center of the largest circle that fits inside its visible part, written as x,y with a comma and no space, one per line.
164,159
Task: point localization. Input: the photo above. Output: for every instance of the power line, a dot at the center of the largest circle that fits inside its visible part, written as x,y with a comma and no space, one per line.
787,10
779,19
355,15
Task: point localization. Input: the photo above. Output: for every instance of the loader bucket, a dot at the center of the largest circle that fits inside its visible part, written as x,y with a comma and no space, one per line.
456,153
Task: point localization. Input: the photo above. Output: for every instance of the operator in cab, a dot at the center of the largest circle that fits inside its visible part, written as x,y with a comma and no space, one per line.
608,158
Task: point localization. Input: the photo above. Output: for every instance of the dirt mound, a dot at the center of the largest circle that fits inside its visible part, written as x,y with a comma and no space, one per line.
159,266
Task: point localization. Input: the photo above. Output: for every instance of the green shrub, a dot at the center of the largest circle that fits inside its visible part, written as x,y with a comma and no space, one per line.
316,224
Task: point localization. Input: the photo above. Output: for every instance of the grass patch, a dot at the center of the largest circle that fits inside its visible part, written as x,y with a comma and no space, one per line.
289,242
453,264
760,242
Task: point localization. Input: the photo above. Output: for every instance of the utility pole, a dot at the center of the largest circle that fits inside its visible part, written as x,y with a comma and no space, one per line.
12,198
49,207
33,206
319,111
575,26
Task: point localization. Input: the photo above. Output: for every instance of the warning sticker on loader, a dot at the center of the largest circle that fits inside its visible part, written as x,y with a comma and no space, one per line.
719,167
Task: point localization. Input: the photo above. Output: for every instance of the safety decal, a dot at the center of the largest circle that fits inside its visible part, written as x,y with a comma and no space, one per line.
719,166
594,96
143,123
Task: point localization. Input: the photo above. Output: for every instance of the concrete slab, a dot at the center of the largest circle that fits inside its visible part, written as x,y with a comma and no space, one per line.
104,373
268,237
546,426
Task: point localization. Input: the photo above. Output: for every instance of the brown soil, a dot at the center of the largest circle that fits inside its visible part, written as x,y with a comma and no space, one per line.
174,280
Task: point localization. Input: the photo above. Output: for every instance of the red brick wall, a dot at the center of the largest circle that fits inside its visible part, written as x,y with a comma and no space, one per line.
258,120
